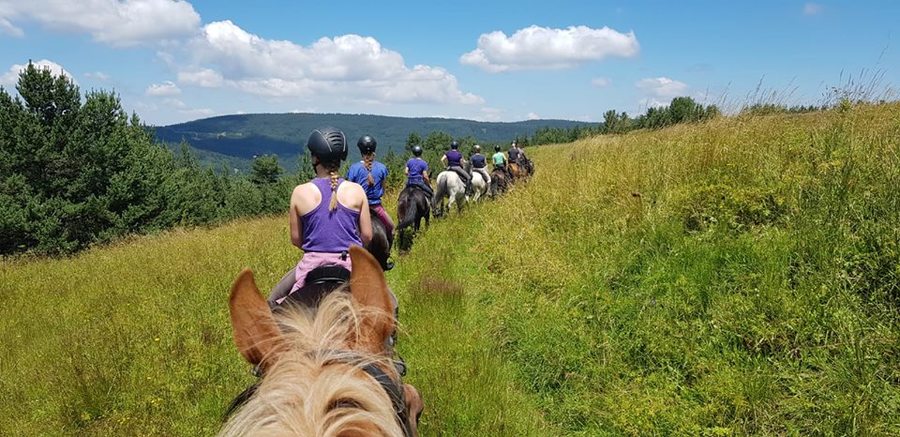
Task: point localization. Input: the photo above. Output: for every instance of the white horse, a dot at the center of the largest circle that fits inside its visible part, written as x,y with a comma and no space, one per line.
449,185
480,186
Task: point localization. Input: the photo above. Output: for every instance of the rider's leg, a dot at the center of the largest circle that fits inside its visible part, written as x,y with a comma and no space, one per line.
385,218
425,187
283,287
466,179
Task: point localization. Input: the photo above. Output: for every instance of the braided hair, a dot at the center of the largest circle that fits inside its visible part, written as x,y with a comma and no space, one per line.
332,168
368,159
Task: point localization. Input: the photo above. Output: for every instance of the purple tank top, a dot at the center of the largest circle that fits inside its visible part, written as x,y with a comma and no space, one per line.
329,231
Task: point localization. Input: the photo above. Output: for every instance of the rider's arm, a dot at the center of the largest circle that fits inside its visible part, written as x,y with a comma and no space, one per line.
296,224
406,170
365,220
444,159
425,176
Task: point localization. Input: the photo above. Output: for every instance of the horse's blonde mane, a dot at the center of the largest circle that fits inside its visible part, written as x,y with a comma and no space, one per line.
316,386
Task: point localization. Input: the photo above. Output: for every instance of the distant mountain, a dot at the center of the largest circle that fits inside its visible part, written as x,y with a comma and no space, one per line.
246,135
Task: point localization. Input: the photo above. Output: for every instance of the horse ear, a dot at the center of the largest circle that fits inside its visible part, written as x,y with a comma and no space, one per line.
255,332
370,293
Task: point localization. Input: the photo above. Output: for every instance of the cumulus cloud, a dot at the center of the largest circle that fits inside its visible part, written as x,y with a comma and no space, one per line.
600,82
167,88
662,87
533,116
11,77
812,9
205,77
348,66
113,22
538,47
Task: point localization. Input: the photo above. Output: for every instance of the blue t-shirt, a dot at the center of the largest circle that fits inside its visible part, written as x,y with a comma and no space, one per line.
454,158
514,155
360,175
416,166
478,160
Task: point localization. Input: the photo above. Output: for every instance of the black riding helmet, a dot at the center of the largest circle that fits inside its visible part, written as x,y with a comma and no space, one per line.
454,145
327,143
366,144
417,150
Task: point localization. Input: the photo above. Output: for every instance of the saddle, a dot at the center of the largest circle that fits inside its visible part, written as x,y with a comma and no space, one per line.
319,283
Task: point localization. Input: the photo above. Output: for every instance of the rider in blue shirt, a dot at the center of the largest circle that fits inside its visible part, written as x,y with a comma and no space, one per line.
479,164
417,172
370,174
453,159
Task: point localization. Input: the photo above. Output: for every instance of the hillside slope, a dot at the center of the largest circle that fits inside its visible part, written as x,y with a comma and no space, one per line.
740,276
247,135
736,277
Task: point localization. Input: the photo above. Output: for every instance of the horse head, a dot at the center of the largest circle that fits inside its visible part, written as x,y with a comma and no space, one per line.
326,371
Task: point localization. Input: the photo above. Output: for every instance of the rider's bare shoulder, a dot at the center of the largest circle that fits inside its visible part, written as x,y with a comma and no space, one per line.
352,195
305,198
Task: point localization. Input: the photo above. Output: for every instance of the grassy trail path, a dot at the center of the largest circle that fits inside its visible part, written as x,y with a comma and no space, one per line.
134,338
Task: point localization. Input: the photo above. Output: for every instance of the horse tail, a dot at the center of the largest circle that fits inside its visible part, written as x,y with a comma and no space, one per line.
380,245
406,210
441,189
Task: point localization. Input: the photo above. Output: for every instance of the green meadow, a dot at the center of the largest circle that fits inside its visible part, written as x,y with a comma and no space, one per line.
738,276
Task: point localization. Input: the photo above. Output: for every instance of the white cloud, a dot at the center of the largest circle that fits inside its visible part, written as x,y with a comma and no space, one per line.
12,75
113,22
538,47
811,8
167,88
532,116
662,87
600,82
205,77
351,67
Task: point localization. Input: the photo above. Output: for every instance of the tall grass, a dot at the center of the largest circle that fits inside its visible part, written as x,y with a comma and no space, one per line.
134,339
740,276
736,277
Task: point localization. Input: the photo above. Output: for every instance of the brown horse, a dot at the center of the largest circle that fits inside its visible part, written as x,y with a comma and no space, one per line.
499,182
516,171
521,170
325,371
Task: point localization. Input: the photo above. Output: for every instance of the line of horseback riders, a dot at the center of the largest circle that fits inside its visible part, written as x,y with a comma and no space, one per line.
505,168
330,214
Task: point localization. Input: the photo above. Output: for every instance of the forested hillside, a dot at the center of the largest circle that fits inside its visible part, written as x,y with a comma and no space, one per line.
249,135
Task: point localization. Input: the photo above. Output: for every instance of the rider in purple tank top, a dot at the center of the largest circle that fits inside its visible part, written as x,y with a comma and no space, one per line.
327,215
329,231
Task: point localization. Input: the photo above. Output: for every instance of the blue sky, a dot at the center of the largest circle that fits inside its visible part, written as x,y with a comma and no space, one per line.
176,61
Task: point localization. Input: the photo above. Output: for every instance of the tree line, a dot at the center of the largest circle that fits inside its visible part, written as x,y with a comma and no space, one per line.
77,170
